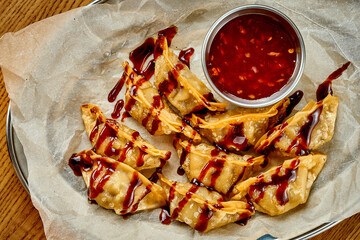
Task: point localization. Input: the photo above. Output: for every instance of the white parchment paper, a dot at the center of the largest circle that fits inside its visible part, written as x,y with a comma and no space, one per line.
54,66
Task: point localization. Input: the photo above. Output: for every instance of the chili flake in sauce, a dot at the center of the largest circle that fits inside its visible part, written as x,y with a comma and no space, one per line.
251,57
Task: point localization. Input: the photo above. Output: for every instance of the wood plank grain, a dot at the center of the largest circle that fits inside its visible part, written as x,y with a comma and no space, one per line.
18,217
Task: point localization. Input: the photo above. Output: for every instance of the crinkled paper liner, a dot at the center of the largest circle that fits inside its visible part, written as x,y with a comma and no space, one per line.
54,66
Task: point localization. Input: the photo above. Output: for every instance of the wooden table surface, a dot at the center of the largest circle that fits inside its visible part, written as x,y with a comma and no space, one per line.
18,217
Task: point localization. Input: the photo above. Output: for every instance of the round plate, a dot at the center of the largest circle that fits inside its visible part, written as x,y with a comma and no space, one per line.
18,159
16,152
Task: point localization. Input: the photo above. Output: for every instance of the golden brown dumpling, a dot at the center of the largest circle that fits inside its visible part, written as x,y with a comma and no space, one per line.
144,103
284,187
214,168
115,185
240,128
200,208
182,88
306,130
112,139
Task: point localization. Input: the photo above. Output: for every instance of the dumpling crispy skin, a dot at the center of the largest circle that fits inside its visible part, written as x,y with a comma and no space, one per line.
238,129
214,168
145,104
115,185
284,187
200,208
182,88
306,130
112,139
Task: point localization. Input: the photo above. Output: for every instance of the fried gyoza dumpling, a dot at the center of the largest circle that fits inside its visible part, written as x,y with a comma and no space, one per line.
200,208
182,88
308,129
282,188
115,185
112,139
214,168
145,104
240,128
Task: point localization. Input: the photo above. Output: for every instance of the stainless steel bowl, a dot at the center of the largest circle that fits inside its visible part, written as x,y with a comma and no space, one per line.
288,25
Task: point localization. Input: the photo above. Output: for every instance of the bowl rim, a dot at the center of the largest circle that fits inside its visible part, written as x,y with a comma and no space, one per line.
300,62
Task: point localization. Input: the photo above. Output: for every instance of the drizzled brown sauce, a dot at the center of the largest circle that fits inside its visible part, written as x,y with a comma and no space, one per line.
133,89
169,84
184,56
168,33
130,104
266,162
84,163
295,98
139,56
140,159
130,194
243,219
205,215
201,109
157,104
267,147
102,171
184,154
79,164
128,146
108,134
124,116
204,218
166,87
281,181
200,184
164,216
302,140
241,175
235,138
155,177
117,88
95,130
118,106
129,198
95,189
300,145
325,89
178,67
217,165
150,48
246,216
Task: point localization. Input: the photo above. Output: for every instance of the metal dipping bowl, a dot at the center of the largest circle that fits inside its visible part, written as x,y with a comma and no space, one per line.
288,25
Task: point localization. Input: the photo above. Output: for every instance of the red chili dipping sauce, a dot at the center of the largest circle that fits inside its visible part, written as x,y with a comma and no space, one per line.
251,57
